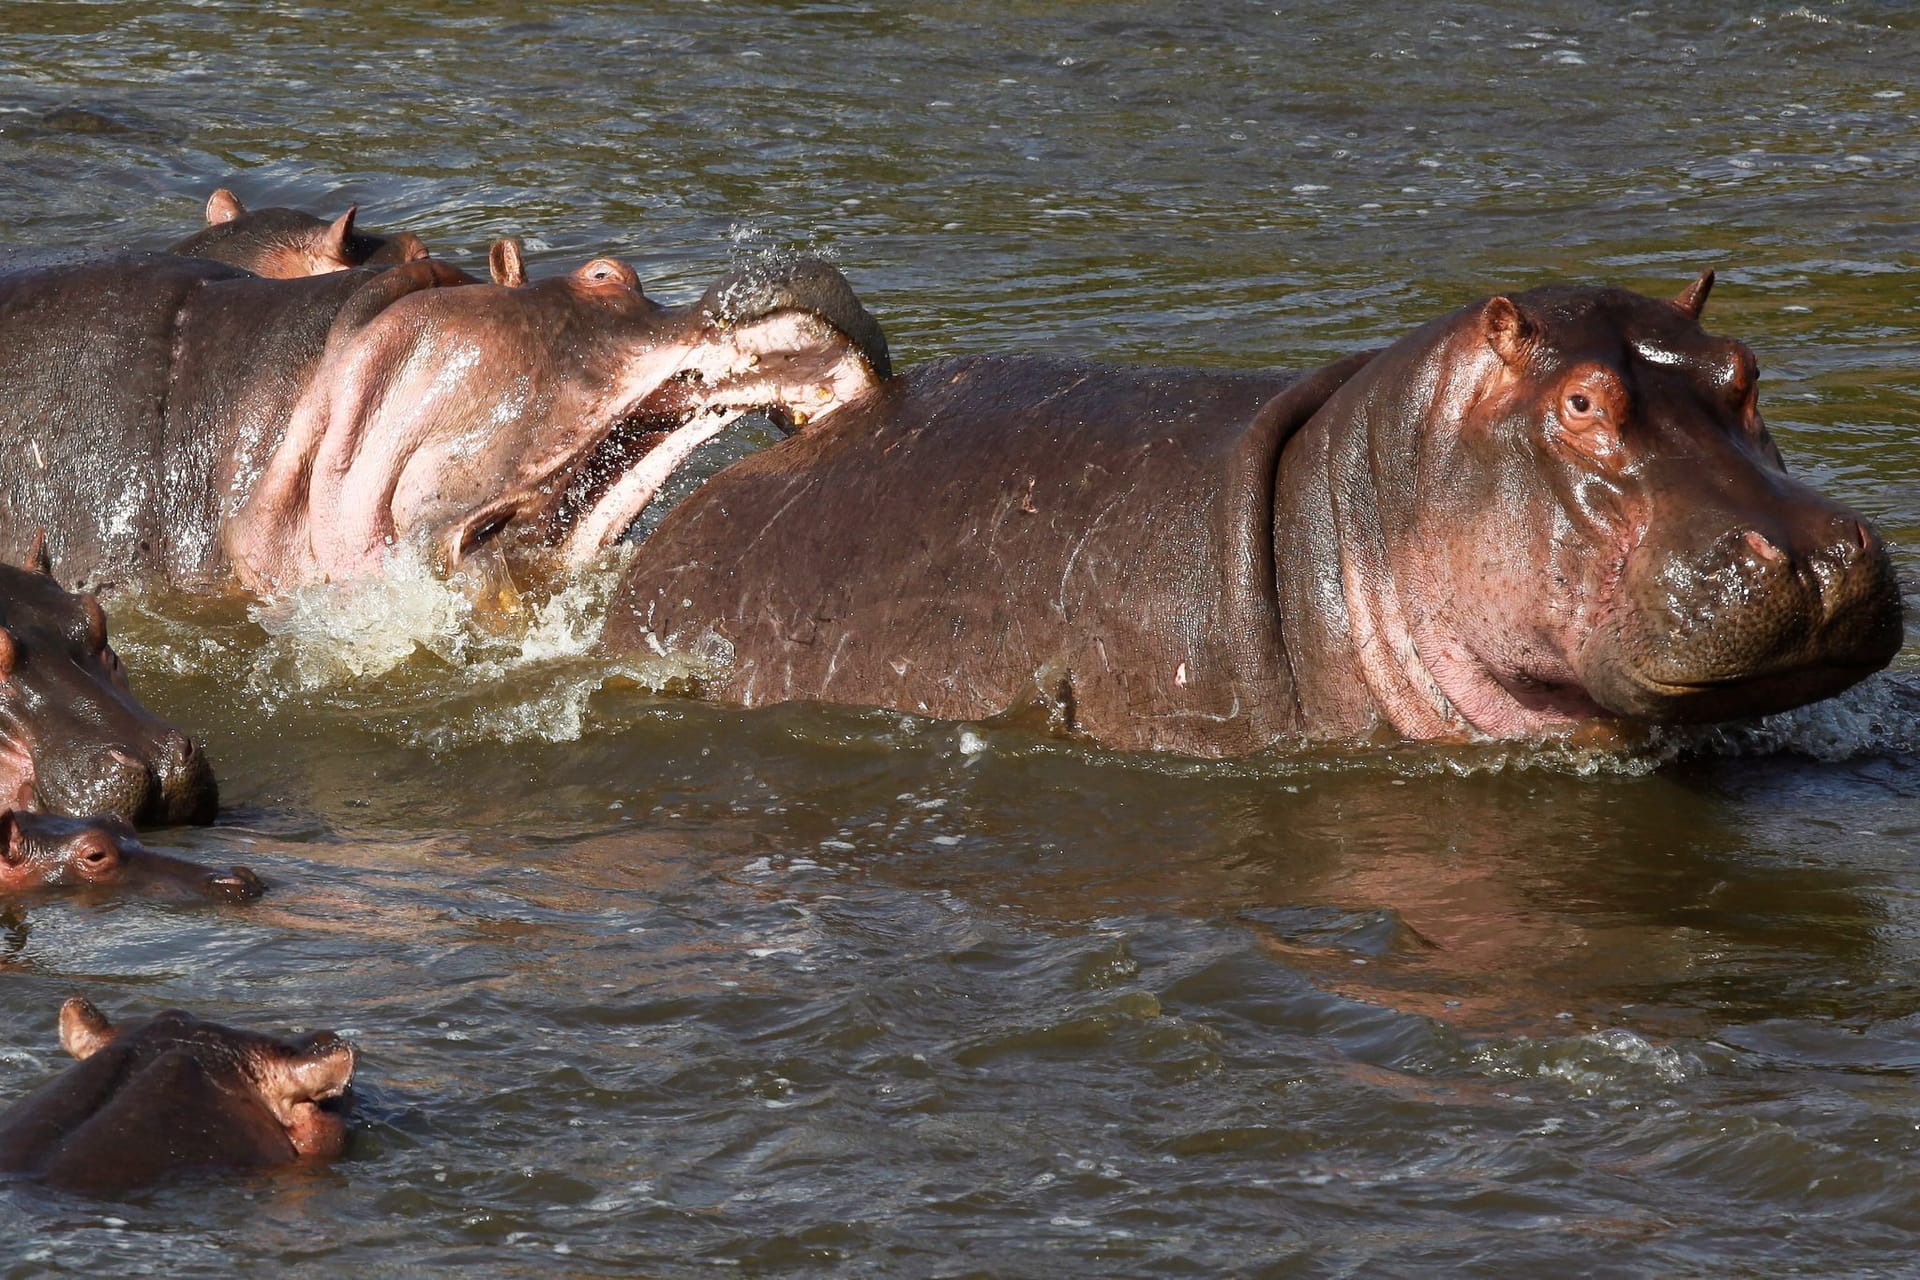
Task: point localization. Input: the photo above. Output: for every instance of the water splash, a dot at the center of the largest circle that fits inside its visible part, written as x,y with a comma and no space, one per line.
426,659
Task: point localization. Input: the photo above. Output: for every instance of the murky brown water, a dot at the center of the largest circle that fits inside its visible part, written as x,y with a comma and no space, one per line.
650,987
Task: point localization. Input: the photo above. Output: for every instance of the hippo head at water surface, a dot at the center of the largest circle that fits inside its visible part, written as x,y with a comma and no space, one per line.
45,851
534,421
1563,505
73,739
287,243
175,1095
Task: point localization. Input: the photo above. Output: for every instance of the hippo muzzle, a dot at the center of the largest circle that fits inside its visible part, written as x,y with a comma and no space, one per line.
1750,593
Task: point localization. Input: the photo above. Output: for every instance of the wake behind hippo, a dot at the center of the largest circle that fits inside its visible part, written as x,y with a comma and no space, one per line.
1541,511
172,1096
182,421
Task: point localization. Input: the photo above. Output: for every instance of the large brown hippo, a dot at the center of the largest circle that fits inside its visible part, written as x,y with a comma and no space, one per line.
1543,510
183,420
288,243
73,739
175,1095
41,851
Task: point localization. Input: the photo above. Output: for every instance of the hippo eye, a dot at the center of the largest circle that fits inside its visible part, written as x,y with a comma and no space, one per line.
1579,403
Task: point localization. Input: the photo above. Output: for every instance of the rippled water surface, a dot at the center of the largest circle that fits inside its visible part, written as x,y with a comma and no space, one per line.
644,986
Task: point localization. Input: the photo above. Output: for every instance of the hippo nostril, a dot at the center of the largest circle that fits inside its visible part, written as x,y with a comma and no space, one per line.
237,884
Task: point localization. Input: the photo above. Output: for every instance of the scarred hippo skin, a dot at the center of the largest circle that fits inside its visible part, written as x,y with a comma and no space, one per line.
174,1096
287,243
40,851
1541,511
73,739
181,420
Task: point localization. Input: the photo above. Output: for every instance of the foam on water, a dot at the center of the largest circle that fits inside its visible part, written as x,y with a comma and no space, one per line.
388,648
1594,1063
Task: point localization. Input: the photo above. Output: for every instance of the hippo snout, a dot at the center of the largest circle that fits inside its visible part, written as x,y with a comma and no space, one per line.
236,884
186,789
1767,617
110,780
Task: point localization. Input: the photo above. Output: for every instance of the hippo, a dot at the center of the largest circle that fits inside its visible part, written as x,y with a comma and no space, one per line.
1547,513
44,851
175,1095
287,243
73,739
184,422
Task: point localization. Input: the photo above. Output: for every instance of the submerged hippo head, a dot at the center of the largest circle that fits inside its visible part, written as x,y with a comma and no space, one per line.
287,244
44,851
173,1095
549,411
73,739
1573,510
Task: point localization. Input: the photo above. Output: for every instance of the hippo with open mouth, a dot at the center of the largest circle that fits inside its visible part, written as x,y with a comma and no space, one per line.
43,851
175,1095
1545,510
73,739
182,421
289,243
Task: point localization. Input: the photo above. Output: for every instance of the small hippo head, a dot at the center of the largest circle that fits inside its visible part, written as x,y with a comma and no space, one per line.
292,1081
287,244
44,851
1596,517
73,739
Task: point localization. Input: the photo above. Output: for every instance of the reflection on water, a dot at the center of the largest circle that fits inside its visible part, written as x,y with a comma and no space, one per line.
648,986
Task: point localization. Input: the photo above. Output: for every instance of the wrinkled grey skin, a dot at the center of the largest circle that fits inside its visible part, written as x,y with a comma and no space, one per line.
1542,512
41,851
73,738
185,422
287,243
174,1096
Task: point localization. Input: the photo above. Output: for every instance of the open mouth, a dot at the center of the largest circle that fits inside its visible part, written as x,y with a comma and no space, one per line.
790,341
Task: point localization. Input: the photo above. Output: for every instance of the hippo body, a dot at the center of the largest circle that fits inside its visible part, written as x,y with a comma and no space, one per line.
174,1095
1536,513
40,851
148,383
289,243
73,739
1002,518
185,421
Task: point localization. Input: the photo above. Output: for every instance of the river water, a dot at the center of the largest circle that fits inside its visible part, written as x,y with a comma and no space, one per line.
646,986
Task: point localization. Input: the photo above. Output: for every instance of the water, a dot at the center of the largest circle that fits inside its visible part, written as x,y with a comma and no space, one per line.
645,986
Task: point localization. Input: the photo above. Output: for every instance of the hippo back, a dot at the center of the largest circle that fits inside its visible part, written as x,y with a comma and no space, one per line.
127,381
972,541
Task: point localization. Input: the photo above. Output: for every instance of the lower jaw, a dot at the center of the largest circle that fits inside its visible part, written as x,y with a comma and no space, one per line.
1705,702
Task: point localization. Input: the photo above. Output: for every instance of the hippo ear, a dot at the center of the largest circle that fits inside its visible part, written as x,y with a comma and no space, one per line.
84,1030
340,233
9,652
223,206
37,560
1506,330
504,261
1693,299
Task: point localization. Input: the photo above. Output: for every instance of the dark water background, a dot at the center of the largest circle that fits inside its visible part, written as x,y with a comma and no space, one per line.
644,986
